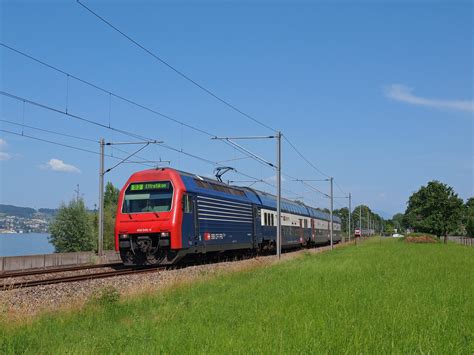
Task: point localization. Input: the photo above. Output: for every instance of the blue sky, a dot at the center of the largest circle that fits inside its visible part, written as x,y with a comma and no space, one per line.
377,94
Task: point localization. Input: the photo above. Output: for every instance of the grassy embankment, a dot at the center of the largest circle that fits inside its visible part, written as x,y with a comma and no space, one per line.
379,297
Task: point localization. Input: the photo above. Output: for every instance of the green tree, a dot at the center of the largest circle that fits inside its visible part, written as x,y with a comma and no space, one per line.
111,196
71,229
343,214
469,221
435,209
399,222
388,227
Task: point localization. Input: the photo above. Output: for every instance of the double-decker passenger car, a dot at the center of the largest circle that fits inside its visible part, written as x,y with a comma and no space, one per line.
164,215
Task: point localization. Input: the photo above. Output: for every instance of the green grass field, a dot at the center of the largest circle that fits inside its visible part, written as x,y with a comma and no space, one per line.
379,297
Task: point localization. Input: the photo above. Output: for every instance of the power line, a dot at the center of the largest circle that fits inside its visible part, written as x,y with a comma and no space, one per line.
49,131
180,73
315,189
95,86
304,158
49,141
50,108
131,134
134,135
110,93
132,102
64,135
62,144
34,103
340,189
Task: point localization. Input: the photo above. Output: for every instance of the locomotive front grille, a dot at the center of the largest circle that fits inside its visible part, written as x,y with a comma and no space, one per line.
144,241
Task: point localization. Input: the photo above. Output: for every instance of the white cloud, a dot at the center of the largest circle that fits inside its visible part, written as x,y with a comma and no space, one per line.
59,165
3,143
403,93
5,156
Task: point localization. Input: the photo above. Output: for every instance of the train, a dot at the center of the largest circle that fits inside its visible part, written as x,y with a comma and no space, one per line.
165,215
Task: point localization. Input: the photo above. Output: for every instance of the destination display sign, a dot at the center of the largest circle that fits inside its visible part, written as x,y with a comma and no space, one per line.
147,186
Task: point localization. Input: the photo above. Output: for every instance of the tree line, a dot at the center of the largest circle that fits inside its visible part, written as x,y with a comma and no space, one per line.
435,208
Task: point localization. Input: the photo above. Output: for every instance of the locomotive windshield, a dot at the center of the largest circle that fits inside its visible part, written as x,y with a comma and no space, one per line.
154,196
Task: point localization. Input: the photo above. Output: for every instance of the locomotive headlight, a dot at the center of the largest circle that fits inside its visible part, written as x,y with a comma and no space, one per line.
165,234
123,236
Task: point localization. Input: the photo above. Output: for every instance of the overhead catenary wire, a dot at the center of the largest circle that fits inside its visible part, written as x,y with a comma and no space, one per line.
92,122
64,135
304,158
128,133
340,189
110,93
135,103
86,120
194,82
69,75
49,131
49,141
177,71
64,145
315,189
120,97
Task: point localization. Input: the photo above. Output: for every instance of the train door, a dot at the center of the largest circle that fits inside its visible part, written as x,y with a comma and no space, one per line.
312,230
301,231
190,228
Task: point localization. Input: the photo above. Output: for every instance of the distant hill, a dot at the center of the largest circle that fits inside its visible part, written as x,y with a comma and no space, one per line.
24,212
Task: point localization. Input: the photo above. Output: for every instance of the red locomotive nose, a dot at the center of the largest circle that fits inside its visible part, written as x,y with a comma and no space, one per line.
150,216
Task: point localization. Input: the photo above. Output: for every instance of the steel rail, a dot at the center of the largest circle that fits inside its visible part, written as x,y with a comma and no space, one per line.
9,274
66,279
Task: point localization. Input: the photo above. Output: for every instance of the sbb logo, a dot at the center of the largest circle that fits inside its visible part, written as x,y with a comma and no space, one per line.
214,236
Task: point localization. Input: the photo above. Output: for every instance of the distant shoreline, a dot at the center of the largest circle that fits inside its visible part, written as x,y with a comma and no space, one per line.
13,232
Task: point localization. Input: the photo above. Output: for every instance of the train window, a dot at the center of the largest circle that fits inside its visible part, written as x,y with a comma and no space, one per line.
187,204
148,197
265,218
306,223
272,218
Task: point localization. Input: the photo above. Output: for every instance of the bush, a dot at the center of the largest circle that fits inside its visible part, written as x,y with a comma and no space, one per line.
71,229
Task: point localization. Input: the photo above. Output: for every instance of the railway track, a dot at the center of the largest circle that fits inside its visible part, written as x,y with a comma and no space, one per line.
6,275
82,277
119,271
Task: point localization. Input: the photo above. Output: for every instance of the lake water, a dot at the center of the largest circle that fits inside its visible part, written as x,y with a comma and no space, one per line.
25,244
